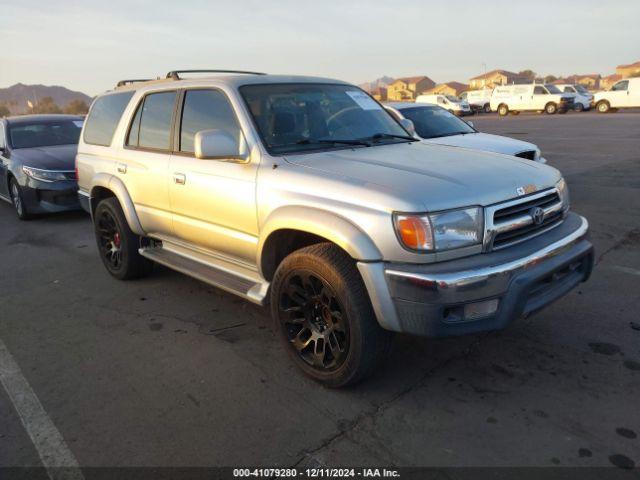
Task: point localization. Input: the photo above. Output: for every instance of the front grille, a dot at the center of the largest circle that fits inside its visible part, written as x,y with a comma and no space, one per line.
513,223
528,154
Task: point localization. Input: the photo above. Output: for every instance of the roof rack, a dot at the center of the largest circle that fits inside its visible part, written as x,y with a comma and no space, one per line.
175,74
132,80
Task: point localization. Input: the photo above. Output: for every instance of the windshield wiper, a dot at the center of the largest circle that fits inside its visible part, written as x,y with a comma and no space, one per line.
379,136
306,141
452,134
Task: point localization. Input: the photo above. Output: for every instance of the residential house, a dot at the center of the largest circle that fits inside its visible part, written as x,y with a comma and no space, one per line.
590,81
407,88
494,78
631,70
448,88
607,82
379,93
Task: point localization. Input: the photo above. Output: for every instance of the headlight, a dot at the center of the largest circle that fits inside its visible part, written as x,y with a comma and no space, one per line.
44,175
441,230
563,191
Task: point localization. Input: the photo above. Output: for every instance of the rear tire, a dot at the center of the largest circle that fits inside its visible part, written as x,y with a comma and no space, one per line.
18,200
486,108
551,108
117,244
514,112
603,106
503,110
322,311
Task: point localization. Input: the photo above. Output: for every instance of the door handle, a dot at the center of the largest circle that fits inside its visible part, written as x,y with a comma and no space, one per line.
122,168
179,178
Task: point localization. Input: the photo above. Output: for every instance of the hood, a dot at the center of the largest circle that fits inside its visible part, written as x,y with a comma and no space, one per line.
58,157
434,177
485,142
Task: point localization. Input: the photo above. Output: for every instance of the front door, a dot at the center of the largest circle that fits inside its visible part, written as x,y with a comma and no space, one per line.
540,97
213,201
619,94
143,165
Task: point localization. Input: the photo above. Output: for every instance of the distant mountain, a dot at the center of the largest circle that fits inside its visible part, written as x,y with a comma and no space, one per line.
379,82
16,96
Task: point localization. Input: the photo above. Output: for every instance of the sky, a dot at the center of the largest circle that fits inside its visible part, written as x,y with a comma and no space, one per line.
90,45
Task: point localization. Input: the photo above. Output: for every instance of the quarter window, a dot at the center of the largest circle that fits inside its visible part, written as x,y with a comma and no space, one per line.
104,117
151,127
205,110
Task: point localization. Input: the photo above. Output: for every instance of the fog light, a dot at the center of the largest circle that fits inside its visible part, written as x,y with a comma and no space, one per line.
473,311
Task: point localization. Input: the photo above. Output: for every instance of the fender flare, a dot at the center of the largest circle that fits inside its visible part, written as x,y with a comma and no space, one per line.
115,185
331,226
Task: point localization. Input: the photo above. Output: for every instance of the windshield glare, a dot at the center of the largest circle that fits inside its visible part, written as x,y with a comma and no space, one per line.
45,134
300,117
552,88
453,99
433,122
581,89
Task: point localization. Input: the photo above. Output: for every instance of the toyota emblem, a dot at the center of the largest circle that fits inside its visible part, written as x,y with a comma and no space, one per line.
537,215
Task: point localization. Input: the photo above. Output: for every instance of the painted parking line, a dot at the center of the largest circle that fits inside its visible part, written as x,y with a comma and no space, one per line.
51,447
620,268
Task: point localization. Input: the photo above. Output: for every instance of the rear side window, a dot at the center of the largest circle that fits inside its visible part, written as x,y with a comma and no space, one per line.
205,110
103,119
151,127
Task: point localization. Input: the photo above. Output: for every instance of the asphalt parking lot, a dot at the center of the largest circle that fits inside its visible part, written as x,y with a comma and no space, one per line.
167,371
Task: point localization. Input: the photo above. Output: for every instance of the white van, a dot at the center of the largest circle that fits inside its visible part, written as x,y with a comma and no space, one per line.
448,102
532,97
624,94
478,100
582,98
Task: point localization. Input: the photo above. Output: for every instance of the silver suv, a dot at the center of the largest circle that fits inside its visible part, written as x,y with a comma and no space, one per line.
305,194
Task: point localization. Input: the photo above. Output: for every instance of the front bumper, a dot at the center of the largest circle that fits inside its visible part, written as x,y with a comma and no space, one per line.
430,299
50,197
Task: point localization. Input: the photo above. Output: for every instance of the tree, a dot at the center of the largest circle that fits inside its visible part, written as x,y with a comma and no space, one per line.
4,111
46,105
550,79
528,74
76,107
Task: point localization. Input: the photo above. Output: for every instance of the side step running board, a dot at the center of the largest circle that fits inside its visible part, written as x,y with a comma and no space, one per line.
255,292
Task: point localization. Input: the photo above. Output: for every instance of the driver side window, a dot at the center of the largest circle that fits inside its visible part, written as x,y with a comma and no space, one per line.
539,91
3,142
621,86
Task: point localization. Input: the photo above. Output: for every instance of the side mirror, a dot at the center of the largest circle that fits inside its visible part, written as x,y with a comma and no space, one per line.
470,123
408,126
221,145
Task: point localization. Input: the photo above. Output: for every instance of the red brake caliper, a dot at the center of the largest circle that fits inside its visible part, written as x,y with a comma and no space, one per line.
116,239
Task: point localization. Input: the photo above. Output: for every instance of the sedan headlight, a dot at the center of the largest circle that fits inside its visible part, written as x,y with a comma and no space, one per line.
563,191
438,231
44,175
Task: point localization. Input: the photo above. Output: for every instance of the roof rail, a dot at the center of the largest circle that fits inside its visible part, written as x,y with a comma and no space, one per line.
132,80
175,74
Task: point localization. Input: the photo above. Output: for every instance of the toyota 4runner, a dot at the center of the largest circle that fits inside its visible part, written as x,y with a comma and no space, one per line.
305,194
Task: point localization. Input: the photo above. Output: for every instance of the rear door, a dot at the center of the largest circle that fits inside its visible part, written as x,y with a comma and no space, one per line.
144,163
213,200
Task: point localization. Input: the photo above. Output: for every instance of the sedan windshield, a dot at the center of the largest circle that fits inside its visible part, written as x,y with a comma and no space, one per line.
293,118
581,89
552,88
433,122
44,133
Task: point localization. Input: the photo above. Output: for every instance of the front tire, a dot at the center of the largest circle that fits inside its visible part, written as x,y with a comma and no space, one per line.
117,244
603,107
486,108
321,309
17,199
579,107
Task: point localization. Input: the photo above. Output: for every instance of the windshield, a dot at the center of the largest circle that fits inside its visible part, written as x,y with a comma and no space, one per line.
45,133
305,116
552,88
453,99
581,89
433,122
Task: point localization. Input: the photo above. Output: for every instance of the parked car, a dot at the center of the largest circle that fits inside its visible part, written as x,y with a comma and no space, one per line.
478,100
37,169
448,102
582,98
532,97
436,125
623,94
306,194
